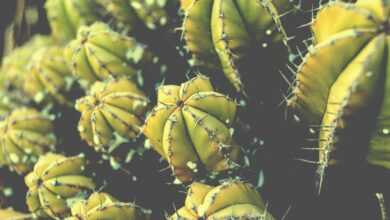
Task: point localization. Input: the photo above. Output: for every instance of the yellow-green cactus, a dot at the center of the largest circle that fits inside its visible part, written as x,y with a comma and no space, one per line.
10,214
48,77
190,127
115,106
220,33
151,12
66,16
25,135
55,183
344,74
10,101
231,200
14,65
104,206
99,53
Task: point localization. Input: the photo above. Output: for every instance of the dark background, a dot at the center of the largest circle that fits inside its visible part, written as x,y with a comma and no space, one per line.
348,192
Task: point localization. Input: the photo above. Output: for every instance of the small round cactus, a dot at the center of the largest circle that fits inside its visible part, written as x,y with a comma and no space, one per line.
48,77
104,206
190,127
220,33
99,53
66,16
25,135
115,106
233,199
55,183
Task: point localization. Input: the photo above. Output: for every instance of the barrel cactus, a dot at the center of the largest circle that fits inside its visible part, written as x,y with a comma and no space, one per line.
99,53
151,13
48,77
220,33
55,183
111,108
66,16
25,135
338,93
190,127
104,206
232,199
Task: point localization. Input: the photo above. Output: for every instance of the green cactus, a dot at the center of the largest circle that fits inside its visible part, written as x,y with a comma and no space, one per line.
190,127
66,16
219,33
48,77
104,206
232,199
25,135
338,93
99,53
54,183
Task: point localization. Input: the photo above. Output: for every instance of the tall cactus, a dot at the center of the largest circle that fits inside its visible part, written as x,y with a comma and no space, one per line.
190,127
342,83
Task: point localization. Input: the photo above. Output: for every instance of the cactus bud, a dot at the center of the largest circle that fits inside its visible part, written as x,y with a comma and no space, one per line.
189,125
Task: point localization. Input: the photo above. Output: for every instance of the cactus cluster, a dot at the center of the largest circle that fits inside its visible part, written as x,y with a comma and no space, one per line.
121,109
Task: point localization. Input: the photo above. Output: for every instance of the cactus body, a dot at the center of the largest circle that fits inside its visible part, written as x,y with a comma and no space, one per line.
10,101
99,53
25,135
220,33
49,77
338,92
104,206
115,106
190,126
10,214
231,200
55,181
66,16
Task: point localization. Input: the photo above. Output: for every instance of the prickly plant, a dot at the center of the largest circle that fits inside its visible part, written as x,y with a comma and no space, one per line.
49,78
232,199
112,109
104,206
190,127
10,101
99,53
55,183
221,33
25,135
66,16
10,214
348,96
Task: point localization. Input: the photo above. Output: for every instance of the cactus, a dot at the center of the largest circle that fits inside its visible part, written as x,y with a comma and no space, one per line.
220,33
10,214
336,92
66,16
10,101
150,12
115,106
25,135
104,206
14,64
49,77
99,53
55,183
232,199
190,128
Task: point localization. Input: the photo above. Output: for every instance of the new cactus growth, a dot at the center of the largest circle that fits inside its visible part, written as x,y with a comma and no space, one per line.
115,106
104,206
66,16
48,77
337,93
220,33
54,183
25,135
99,53
190,127
232,199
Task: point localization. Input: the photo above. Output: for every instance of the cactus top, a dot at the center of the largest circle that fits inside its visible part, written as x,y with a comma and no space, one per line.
104,206
55,181
231,200
190,127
